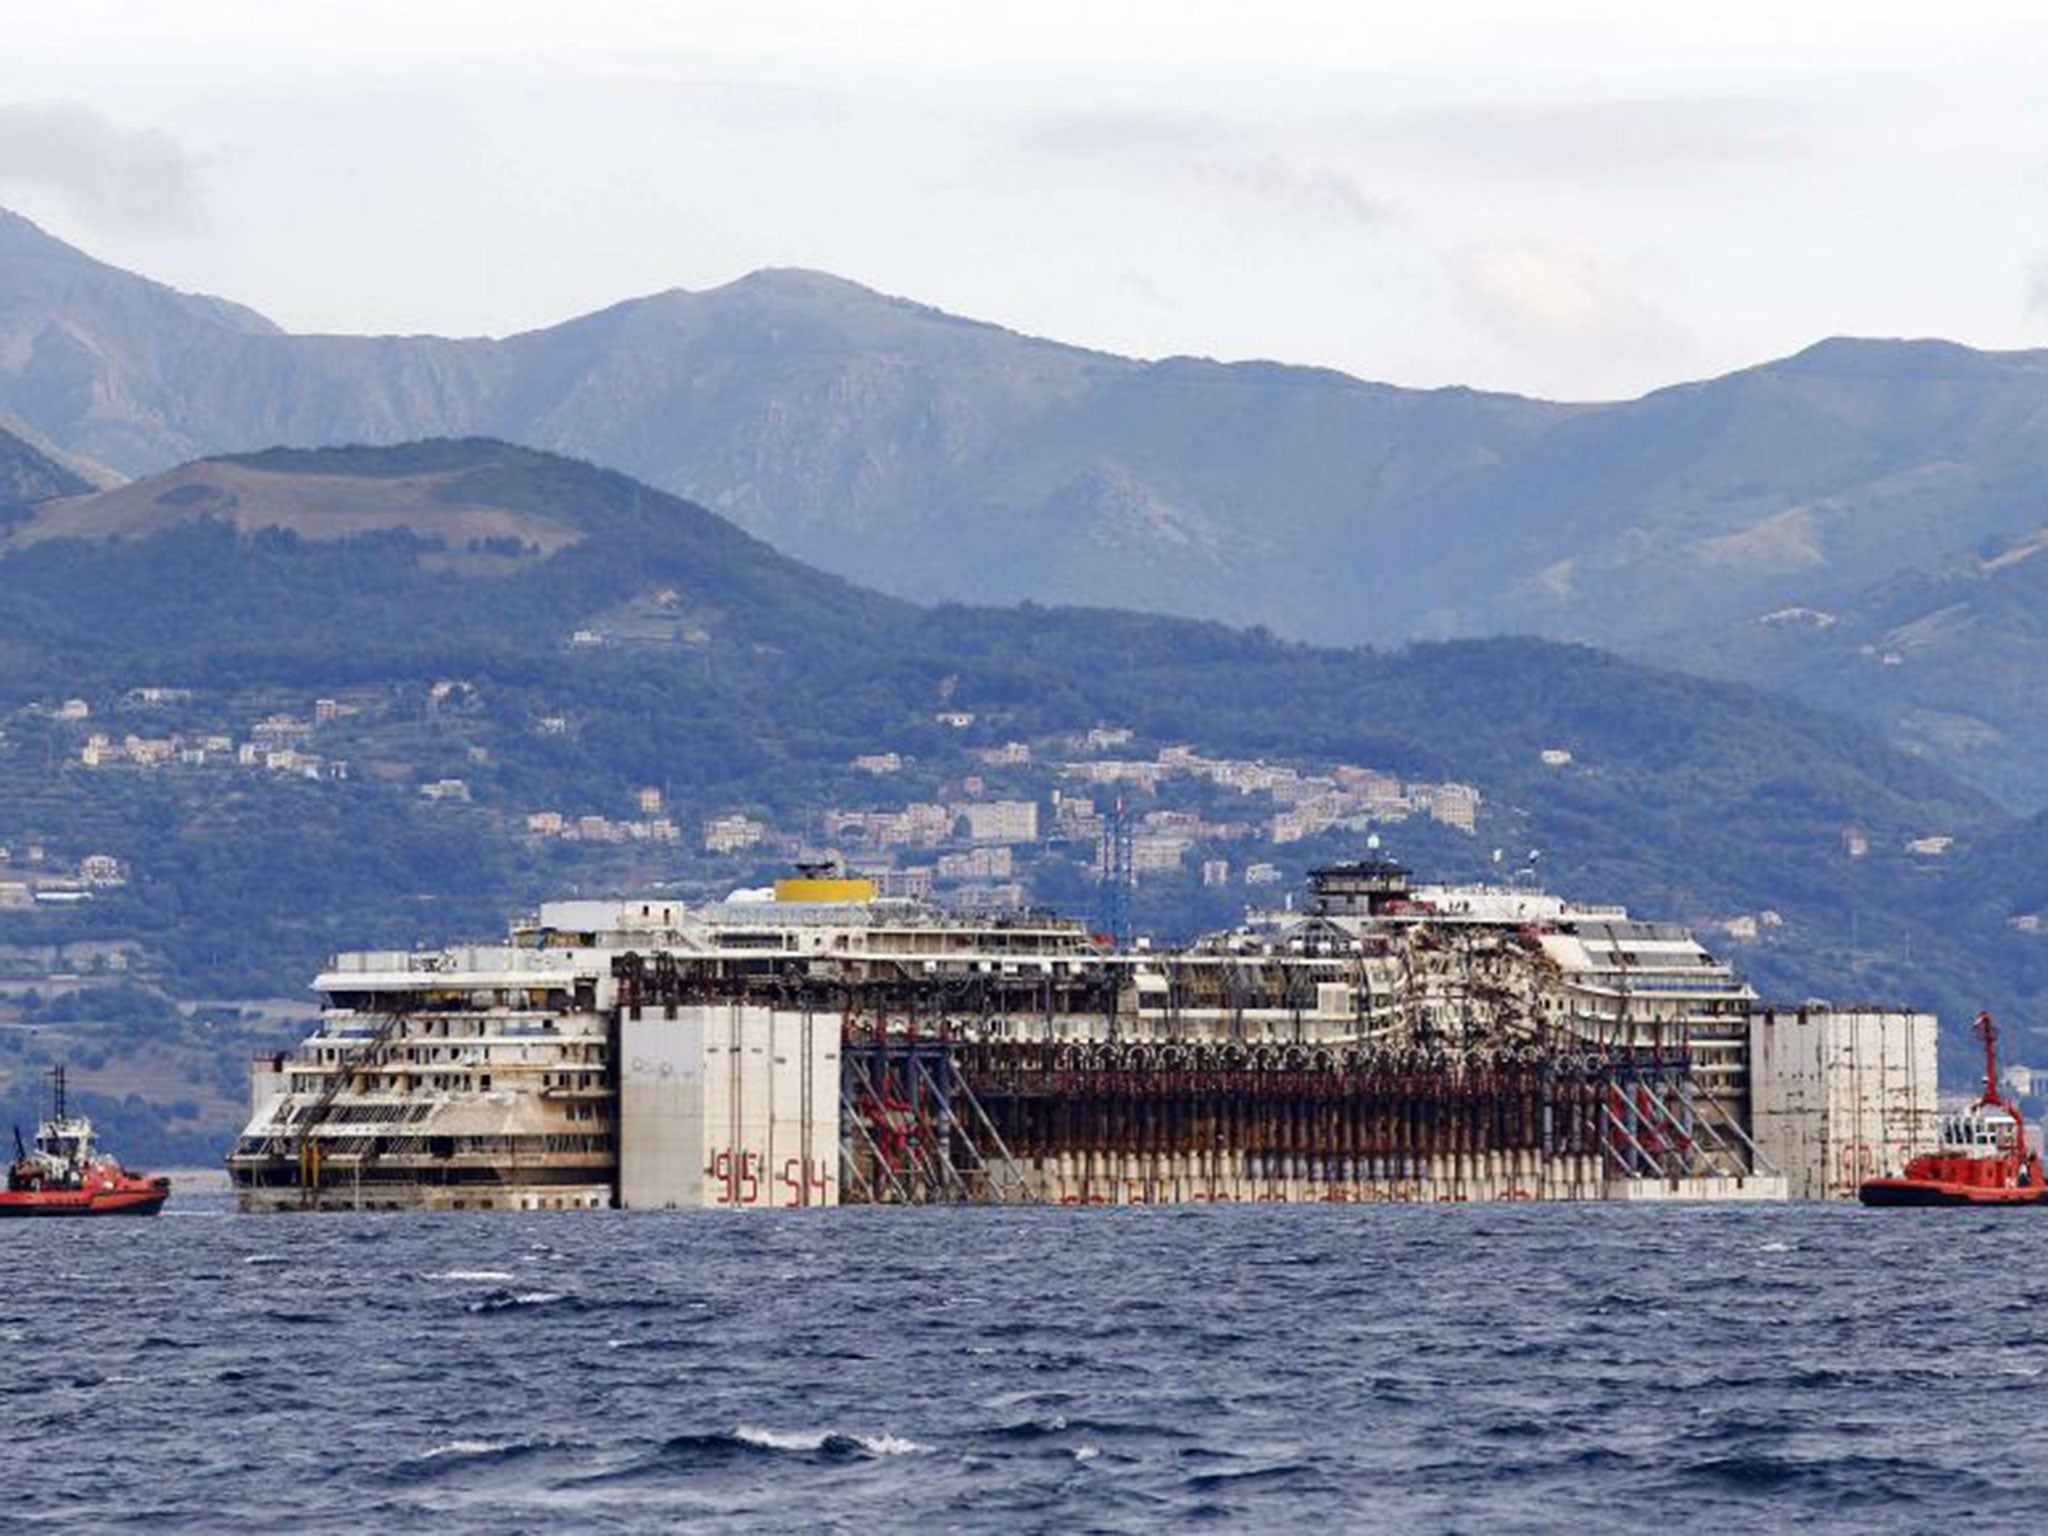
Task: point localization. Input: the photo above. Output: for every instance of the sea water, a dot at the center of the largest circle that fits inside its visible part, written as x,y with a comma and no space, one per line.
1256,1368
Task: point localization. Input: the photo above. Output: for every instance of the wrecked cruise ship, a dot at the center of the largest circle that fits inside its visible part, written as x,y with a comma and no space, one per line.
1387,1041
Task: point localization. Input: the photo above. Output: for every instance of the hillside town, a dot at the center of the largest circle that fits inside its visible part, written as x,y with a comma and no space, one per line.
970,825
975,824
1080,793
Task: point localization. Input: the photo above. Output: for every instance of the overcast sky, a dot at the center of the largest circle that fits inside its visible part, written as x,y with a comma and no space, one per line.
1569,199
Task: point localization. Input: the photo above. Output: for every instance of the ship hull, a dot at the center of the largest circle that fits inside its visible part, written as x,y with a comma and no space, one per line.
281,1198
1921,1192
79,1202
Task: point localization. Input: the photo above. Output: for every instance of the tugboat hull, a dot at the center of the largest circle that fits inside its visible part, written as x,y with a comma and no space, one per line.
144,1200
1889,1192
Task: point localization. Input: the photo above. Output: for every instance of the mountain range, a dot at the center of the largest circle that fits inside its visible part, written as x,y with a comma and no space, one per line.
934,457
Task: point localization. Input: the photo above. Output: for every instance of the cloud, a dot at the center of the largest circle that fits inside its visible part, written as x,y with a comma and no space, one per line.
1204,154
1596,143
132,179
1566,302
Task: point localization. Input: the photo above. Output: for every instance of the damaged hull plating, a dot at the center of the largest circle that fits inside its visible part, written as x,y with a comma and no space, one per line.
1387,1044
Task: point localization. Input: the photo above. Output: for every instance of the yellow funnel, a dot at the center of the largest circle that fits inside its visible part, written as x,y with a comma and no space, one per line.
813,888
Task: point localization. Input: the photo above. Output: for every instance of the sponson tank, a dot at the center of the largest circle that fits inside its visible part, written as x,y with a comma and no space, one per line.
1386,1041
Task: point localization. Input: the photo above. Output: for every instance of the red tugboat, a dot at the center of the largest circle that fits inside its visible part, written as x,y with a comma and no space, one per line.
65,1175
1983,1158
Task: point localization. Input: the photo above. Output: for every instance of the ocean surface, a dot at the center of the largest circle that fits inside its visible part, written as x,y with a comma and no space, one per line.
1265,1368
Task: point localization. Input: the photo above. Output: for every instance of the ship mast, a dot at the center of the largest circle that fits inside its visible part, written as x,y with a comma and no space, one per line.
1987,1031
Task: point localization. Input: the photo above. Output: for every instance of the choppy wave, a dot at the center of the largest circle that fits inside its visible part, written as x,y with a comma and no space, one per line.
1238,1479
949,1369
688,1456
827,1440
502,1300
469,1461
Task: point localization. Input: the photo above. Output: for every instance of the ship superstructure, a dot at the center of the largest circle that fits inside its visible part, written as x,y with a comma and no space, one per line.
1385,1041
469,1076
